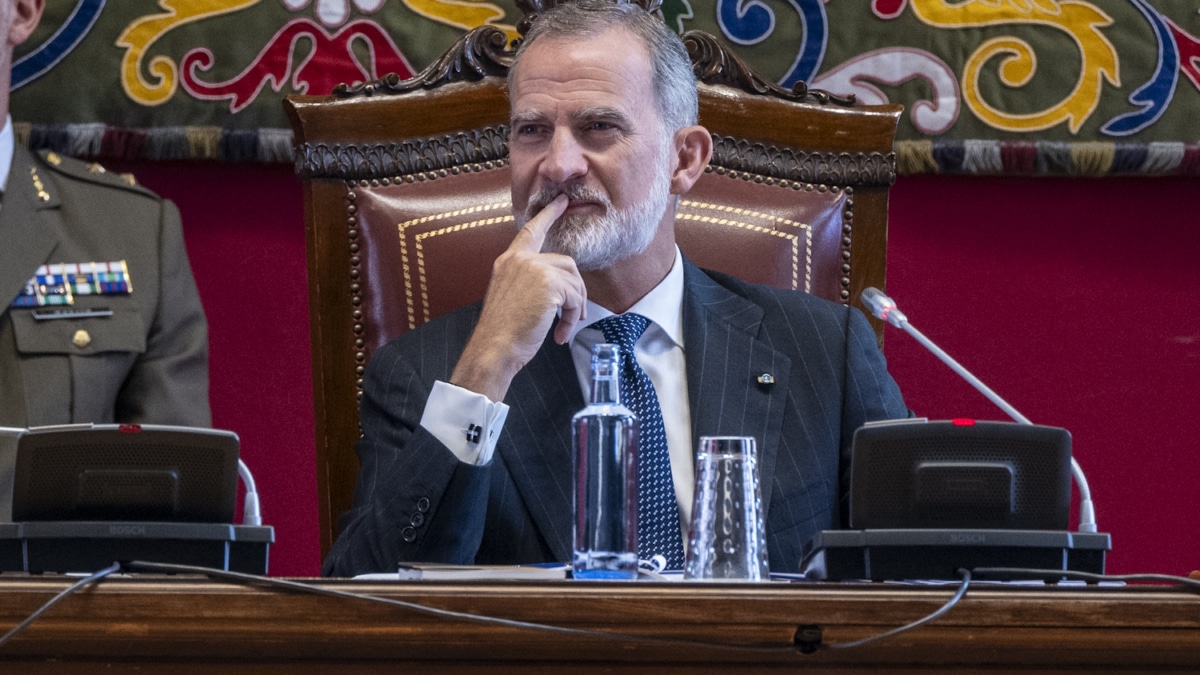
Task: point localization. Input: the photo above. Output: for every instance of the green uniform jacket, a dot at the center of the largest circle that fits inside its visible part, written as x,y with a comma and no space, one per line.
148,362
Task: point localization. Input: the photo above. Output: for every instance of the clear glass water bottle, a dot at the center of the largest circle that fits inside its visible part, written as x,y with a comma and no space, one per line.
605,437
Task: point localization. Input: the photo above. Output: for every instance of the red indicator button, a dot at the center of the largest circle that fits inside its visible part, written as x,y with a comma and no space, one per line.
130,428
963,422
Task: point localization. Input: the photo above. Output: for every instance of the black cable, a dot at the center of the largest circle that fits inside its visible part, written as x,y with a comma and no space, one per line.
90,579
1048,575
252,579
243,578
962,591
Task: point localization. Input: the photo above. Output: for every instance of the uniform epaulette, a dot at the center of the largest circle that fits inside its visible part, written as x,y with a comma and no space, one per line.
91,172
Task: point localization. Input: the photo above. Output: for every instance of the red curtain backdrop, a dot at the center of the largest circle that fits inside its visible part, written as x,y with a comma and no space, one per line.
1075,299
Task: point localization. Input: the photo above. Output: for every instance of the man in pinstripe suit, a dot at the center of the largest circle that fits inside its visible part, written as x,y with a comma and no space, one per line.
466,456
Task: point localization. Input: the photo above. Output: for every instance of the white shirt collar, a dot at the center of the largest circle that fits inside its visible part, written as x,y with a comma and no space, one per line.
663,305
7,143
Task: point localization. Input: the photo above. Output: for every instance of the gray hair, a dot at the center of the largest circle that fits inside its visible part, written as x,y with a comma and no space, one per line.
673,80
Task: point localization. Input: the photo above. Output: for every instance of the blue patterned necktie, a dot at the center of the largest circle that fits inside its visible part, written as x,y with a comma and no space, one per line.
658,511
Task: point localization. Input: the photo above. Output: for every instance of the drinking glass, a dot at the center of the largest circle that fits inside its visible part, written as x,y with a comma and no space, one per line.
727,539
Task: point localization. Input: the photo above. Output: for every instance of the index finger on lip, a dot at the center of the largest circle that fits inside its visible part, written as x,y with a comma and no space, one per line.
540,224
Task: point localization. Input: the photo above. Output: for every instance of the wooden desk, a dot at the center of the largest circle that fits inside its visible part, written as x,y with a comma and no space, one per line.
191,625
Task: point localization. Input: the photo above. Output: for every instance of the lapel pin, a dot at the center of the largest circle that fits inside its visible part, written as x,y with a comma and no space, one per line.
766,378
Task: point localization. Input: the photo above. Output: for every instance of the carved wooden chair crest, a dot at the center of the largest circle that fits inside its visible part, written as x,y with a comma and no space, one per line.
406,190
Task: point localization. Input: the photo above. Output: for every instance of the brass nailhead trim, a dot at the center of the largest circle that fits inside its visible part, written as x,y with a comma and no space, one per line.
357,326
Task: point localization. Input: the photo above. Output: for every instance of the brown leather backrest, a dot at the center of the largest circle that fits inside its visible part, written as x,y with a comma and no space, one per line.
407,205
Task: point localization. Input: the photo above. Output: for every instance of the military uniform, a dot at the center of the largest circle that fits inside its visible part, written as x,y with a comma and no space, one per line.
137,356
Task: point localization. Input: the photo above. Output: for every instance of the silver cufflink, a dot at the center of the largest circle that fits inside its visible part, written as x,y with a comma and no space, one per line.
473,432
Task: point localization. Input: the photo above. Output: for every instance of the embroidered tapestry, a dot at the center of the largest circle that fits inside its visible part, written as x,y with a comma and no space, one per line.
1022,87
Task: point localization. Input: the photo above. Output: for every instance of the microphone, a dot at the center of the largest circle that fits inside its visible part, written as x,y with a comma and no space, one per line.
884,309
251,515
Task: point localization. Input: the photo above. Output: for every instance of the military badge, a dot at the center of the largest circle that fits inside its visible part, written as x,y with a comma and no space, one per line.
57,284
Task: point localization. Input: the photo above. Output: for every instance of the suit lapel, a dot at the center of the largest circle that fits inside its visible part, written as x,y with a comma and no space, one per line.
27,238
726,352
544,396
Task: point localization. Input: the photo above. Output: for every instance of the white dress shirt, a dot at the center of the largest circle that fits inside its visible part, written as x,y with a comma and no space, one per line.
451,409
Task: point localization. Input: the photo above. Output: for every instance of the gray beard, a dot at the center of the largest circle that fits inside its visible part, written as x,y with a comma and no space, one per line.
597,242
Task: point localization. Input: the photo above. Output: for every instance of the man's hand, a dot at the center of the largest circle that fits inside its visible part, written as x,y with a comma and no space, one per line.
527,289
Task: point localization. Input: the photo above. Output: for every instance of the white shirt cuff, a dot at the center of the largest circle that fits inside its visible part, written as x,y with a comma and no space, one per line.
467,422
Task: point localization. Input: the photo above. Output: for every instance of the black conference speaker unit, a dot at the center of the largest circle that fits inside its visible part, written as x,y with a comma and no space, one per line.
76,498
928,498
960,473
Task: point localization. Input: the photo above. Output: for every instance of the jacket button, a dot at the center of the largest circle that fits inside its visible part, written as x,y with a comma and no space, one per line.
408,534
81,339
417,520
423,504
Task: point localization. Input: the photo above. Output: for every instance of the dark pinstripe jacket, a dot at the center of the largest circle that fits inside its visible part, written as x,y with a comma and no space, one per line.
416,502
